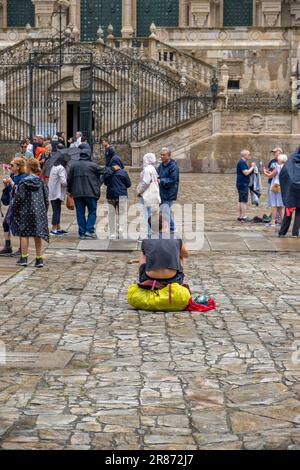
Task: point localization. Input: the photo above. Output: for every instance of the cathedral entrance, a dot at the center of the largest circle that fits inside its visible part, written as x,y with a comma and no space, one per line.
73,121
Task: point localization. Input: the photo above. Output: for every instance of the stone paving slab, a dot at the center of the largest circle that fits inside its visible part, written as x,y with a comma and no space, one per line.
32,360
93,245
226,379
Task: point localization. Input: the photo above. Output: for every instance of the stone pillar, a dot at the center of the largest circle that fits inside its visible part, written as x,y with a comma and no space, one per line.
73,12
200,11
43,12
271,13
183,13
127,19
3,14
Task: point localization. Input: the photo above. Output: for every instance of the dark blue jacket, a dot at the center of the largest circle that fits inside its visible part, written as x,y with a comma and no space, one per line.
9,191
290,181
112,159
169,180
117,184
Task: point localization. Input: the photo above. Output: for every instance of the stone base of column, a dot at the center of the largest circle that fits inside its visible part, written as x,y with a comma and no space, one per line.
127,32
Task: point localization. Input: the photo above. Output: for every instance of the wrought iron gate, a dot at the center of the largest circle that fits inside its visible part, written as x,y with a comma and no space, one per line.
120,96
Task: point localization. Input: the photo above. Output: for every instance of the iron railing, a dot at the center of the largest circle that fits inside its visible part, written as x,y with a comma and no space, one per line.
178,112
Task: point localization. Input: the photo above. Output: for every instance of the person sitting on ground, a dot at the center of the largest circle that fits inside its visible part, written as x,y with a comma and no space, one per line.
9,191
30,206
162,259
274,194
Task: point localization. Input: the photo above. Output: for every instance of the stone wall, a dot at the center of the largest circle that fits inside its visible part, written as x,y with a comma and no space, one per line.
212,143
220,153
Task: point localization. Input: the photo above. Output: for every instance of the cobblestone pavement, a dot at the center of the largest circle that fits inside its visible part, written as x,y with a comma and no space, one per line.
85,371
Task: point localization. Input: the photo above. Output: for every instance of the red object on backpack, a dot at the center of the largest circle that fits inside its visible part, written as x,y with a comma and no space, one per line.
193,307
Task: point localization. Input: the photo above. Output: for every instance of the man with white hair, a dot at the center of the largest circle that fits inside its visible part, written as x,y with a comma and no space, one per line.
243,173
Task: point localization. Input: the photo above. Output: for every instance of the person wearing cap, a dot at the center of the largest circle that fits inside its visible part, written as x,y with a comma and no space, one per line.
54,143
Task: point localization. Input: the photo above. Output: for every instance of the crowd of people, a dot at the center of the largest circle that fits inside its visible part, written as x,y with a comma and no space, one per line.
41,174
283,192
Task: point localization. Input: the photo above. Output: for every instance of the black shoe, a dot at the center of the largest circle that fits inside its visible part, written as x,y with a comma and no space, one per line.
281,236
6,251
82,237
39,263
23,261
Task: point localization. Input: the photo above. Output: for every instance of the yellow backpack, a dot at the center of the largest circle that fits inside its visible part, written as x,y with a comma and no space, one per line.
171,298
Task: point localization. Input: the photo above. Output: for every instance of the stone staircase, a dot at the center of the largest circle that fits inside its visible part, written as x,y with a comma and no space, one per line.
183,66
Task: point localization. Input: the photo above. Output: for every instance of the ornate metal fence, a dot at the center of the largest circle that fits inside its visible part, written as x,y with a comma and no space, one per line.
119,96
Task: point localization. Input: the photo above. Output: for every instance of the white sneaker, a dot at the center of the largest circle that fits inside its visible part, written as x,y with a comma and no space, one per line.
113,236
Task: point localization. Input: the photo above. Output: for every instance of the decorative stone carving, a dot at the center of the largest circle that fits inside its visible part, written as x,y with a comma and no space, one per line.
271,13
43,12
256,123
199,13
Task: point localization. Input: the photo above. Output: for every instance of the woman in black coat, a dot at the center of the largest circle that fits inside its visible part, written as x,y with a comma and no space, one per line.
30,208
290,190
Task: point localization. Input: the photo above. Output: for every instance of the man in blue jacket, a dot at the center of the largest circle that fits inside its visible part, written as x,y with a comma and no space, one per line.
168,173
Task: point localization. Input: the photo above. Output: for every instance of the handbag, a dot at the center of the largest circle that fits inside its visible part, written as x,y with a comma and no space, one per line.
275,188
151,196
70,202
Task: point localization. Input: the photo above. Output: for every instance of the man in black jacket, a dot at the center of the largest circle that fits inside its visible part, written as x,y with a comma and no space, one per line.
84,182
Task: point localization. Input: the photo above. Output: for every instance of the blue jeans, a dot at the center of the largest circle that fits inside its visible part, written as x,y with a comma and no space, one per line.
86,225
147,213
167,212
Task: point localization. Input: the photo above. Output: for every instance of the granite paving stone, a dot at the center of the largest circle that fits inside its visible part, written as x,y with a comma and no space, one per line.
96,374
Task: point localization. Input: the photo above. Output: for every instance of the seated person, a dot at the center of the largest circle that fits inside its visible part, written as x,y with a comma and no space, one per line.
162,258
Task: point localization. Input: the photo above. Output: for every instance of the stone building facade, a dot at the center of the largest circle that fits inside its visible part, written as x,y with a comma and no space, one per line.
252,45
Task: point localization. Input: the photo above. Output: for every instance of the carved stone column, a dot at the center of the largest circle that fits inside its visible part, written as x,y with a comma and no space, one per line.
3,13
43,12
183,13
73,12
200,11
271,13
127,18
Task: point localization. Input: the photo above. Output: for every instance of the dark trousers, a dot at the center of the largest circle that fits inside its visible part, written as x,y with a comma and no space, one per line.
56,208
86,224
287,222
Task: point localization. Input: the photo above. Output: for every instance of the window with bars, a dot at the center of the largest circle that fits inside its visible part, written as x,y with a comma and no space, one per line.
238,13
95,13
159,12
19,13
